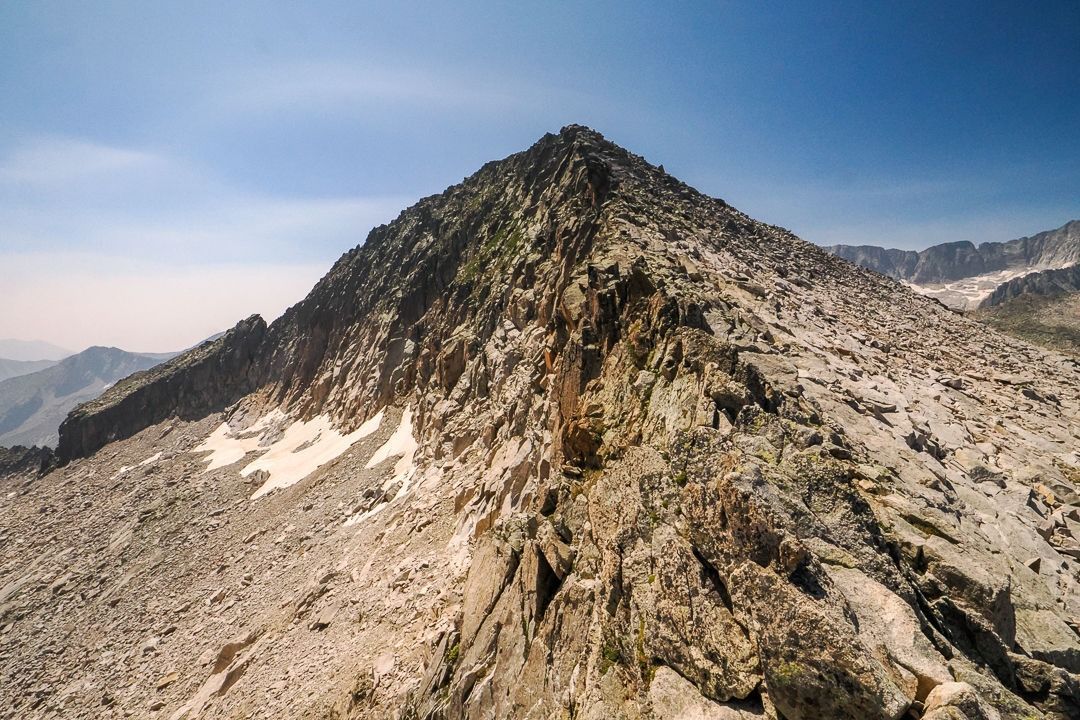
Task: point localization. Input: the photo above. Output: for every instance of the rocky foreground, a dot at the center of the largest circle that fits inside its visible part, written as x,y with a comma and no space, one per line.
569,440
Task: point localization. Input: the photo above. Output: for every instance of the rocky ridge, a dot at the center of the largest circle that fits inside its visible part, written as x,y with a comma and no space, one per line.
200,381
567,440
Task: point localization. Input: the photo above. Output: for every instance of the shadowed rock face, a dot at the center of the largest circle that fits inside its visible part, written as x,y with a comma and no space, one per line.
380,297
21,460
670,462
203,380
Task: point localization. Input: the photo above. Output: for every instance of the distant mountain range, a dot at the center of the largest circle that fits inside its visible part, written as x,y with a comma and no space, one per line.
33,405
14,368
1028,287
958,260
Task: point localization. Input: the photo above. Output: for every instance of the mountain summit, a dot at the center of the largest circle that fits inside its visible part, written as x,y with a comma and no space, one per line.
569,439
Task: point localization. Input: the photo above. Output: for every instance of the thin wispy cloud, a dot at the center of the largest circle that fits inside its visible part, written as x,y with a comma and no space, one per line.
48,162
219,229
129,202
102,244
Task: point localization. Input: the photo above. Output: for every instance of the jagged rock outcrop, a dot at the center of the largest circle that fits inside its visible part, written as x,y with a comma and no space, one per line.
21,460
567,440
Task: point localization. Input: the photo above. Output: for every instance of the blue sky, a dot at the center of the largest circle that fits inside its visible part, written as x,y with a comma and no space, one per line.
167,168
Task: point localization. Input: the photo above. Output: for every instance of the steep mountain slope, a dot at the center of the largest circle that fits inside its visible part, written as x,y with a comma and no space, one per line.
567,440
33,405
14,368
962,275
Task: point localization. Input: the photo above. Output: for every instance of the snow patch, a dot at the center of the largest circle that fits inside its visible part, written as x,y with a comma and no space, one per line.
225,447
152,459
269,420
304,447
400,443
123,469
967,293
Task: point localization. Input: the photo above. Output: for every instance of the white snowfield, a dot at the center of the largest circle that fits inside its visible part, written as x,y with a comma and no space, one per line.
402,444
225,448
148,461
967,293
303,447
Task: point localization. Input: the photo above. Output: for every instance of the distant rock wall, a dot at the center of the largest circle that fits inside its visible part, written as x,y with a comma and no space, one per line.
957,260
897,264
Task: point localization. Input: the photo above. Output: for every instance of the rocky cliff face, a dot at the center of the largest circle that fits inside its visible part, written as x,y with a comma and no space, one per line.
567,440
958,260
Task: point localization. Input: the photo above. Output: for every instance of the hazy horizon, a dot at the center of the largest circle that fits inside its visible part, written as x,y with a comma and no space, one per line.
175,321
